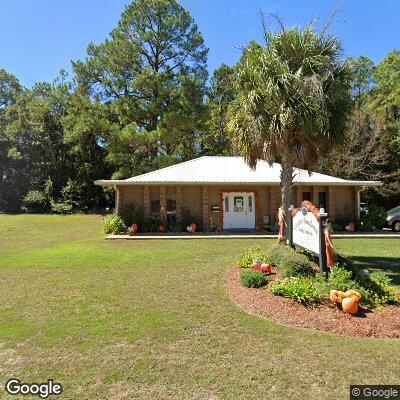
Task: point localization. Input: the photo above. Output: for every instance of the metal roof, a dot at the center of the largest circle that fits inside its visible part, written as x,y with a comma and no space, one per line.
228,170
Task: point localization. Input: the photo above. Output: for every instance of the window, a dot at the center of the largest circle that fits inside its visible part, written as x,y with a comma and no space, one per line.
322,200
238,204
307,196
250,203
171,205
155,206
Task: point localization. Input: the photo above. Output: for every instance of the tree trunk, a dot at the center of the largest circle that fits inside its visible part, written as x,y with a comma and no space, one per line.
286,192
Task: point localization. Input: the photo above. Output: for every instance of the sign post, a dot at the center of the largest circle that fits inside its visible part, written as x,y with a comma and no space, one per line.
306,231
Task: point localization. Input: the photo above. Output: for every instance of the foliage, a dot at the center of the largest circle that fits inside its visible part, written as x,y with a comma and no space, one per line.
154,62
216,141
298,288
188,218
36,201
133,214
289,262
373,219
376,289
249,256
341,279
251,278
371,147
61,208
292,97
113,224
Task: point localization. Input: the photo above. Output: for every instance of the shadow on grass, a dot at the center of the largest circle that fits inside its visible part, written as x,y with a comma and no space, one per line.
389,265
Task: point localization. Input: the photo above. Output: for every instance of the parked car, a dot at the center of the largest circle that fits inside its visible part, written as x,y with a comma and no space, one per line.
393,219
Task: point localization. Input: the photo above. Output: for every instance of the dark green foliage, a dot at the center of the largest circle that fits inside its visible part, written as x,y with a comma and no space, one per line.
133,214
300,289
341,279
289,262
248,257
254,279
372,220
36,201
188,218
113,224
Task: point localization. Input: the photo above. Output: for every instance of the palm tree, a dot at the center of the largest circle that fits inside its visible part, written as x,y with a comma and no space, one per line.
292,101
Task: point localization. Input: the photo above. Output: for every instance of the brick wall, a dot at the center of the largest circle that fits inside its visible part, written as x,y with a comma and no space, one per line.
341,199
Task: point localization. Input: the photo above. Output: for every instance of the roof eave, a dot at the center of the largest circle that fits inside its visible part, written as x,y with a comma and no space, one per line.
113,182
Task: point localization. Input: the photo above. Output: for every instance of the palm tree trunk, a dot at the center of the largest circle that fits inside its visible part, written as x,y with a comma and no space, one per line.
286,192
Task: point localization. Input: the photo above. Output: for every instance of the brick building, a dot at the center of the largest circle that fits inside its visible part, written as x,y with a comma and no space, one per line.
226,193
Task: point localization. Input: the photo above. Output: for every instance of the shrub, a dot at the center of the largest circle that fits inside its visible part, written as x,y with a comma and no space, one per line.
188,218
36,201
298,288
372,219
248,257
113,224
290,263
341,279
254,279
61,208
152,225
376,289
133,214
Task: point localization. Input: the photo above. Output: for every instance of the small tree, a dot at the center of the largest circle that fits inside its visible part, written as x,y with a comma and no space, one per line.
292,101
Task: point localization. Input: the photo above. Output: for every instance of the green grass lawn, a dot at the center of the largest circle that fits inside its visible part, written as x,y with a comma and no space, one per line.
152,320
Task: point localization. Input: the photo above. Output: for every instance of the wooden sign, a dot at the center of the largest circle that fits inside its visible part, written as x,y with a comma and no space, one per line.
306,230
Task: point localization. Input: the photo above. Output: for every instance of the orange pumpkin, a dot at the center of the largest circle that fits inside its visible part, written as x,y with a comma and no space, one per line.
354,294
193,227
162,228
350,305
337,296
135,227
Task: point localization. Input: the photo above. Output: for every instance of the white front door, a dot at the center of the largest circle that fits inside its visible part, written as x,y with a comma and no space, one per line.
239,210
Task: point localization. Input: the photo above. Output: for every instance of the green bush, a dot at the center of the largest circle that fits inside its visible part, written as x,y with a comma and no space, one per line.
61,208
254,279
248,257
376,289
290,263
36,201
113,224
298,288
341,279
133,214
372,220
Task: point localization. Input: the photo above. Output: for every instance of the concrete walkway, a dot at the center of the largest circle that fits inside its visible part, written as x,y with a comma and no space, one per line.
244,235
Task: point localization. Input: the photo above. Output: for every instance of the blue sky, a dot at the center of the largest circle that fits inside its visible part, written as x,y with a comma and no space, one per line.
40,37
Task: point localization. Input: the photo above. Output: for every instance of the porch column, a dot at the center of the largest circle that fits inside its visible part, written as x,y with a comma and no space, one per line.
146,202
357,192
163,197
204,201
299,196
274,206
178,198
314,195
331,203
117,201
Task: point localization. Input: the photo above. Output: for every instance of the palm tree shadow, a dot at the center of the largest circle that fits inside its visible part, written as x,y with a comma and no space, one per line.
389,265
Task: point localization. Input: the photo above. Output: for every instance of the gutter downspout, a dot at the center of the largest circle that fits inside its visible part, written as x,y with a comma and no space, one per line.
116,208
359,200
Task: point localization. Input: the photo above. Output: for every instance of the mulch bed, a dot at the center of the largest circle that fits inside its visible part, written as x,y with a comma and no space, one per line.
384,323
